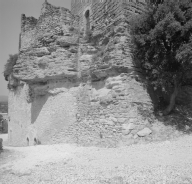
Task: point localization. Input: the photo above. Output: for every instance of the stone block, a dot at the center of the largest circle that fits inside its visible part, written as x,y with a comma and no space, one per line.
126,132
144,132
113,119
39,52
67,41
108,122
121,120
129,126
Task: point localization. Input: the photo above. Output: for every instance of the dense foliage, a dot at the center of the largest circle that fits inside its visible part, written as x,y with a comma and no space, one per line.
3,107
162,40
9,65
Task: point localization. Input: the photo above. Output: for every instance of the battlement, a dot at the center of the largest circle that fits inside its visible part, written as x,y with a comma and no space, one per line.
52,20
27,23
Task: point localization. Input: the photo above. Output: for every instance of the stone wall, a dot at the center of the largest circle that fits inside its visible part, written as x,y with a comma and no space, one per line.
48,45
95,113
103,13
52,21
69,87
107,108
19,115
40,120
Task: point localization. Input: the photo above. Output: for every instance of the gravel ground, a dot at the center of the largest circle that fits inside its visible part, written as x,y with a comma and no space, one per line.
168,162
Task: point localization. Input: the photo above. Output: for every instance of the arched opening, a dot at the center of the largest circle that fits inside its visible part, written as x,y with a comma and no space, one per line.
87,22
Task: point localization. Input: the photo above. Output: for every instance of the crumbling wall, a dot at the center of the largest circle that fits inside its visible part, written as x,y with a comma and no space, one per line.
49,45
40,113
19,115
107,109
52,23
77,88
113,98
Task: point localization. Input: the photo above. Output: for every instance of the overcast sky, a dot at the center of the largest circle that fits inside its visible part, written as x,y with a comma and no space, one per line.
10,15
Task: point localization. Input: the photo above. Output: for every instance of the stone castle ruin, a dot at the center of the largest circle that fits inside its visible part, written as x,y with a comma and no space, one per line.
74,81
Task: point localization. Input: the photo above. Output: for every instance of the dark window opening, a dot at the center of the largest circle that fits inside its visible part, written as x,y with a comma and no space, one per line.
87,22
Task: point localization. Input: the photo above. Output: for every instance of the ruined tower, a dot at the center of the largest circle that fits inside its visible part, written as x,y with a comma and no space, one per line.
97,13
73,81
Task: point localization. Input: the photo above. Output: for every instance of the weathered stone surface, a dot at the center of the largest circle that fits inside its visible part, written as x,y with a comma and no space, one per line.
121,120
113,119
135,136
39,52
67,41
74,85
144,132
127,128
1,144
48,47
58,65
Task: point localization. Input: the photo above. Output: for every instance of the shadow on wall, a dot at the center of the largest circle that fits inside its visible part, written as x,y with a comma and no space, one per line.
37,106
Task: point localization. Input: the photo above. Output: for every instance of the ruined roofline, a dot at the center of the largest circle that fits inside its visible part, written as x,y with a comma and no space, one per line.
29,23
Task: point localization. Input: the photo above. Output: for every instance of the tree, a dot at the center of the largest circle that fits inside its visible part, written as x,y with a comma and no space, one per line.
8,69
162,45
1,123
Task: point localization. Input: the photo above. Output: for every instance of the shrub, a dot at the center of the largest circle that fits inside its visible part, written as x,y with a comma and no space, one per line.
8,69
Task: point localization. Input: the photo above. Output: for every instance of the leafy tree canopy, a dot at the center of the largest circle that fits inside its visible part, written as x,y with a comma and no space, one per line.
162,40
9,65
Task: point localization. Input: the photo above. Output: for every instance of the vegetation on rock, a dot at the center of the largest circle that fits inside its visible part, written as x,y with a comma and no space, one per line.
9,65
162,39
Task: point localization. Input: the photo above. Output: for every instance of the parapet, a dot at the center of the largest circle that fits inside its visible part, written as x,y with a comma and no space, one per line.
52,20
27,23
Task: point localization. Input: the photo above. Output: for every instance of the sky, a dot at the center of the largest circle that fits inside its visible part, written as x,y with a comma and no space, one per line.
10,23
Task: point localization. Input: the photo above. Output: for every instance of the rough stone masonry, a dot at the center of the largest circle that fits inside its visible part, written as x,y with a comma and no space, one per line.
74,81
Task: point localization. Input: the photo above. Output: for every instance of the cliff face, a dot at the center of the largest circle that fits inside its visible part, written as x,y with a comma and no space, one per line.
70,85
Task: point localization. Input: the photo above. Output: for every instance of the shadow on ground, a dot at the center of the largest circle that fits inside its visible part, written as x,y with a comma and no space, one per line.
6,156
180,119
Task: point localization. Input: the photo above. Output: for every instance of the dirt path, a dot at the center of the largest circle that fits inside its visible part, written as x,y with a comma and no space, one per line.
168,162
